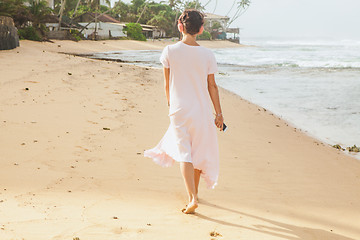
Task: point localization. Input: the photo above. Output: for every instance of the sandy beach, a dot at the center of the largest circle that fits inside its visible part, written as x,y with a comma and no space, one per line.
73,131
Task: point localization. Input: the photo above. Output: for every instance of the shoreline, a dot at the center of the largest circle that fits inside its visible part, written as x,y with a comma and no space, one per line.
72,163
332,143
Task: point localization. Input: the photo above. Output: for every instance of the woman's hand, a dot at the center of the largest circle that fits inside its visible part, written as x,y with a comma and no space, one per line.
219,121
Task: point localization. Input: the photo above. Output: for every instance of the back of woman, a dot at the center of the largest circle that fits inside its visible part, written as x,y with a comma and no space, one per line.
190,88
190,66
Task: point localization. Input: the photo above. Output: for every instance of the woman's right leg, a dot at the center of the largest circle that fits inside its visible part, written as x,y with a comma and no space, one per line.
187,170
197,173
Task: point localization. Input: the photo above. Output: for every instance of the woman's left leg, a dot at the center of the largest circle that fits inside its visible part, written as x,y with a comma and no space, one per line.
197,173
187,170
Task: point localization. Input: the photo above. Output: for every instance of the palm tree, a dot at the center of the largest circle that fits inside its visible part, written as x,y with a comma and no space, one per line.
242,6
39,11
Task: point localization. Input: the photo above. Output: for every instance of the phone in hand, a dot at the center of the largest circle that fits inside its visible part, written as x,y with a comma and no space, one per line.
224,127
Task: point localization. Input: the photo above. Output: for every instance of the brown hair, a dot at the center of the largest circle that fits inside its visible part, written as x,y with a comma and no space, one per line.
192,20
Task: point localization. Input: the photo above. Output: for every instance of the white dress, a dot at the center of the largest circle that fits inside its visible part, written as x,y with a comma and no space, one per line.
191,136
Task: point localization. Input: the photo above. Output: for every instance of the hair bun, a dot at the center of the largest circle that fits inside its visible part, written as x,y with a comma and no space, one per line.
192,20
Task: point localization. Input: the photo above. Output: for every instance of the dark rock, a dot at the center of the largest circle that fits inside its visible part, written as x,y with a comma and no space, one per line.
353,149
9,38
337,146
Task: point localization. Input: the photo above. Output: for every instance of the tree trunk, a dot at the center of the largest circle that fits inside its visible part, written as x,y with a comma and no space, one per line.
63,2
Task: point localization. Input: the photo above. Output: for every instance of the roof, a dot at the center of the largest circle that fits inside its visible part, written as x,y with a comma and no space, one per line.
66,21
101,18
215,16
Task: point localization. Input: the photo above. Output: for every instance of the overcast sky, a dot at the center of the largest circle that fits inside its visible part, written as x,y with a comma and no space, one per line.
338,19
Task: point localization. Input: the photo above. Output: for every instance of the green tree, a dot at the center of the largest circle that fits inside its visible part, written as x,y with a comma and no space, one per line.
120,11
204,36
193,5
15,9
241,8
39,11
134,31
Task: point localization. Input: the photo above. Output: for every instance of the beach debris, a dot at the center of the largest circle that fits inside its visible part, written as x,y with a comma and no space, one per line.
105,128
277,125
69,73
26,89
353,149
23,144
337,146
16,164
115,217
149,224
76,238
215,234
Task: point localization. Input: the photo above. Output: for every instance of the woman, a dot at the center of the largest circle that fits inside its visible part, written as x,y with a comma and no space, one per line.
190,88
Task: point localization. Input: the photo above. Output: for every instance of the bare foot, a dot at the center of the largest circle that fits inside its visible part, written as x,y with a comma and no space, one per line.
190,208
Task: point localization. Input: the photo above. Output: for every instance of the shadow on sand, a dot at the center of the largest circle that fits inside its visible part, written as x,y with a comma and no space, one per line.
283,230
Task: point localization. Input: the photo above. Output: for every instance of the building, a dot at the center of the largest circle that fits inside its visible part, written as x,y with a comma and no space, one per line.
107,27
104,28
211,18
217,25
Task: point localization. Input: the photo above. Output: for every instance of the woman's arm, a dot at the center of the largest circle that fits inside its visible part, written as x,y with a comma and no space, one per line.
166,84
214,95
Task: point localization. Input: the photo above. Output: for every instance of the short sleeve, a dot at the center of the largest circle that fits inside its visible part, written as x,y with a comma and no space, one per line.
212,65
164,58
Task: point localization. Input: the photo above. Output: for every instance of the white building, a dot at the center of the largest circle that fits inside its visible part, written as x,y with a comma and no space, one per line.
104,30
211,18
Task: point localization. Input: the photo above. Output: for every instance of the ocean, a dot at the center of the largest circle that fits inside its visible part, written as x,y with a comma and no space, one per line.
313,84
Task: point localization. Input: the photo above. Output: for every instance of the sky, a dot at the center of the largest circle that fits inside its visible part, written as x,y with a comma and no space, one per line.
315,19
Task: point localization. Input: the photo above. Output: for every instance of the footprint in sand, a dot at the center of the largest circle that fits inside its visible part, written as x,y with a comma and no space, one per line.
82,148
215,234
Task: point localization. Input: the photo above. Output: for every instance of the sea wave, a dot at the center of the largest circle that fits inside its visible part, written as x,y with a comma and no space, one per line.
299,64
302,42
